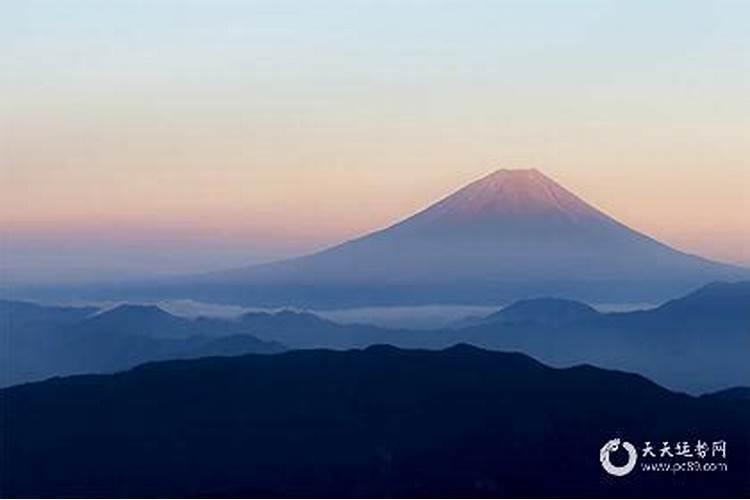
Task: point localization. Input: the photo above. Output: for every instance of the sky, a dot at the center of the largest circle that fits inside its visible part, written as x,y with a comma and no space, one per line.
161,137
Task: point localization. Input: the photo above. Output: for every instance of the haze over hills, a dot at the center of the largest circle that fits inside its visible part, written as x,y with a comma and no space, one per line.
37,342
510,235
696,343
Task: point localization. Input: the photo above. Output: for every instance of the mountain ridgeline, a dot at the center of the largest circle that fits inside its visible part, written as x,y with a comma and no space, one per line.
697,343
513,234
37,341
379,422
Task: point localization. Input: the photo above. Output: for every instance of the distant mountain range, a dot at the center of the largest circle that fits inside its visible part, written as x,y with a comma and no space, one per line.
696,343
37,342
511,235
380,422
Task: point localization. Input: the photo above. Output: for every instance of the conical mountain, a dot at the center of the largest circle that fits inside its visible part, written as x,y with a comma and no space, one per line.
509,193
509,235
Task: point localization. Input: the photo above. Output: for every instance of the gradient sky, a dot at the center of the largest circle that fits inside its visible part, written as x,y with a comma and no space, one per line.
175,136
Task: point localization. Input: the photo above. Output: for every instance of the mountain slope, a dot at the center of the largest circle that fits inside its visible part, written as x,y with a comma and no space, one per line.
17,315
545,311
143,320
696,343
512,234
720,301
382,422
37,341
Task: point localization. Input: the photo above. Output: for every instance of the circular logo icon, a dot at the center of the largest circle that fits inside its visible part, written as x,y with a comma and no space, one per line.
612,446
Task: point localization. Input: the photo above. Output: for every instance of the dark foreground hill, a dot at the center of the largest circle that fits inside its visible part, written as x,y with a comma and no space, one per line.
381,422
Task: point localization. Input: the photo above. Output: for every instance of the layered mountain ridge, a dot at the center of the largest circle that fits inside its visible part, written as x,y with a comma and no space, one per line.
695,343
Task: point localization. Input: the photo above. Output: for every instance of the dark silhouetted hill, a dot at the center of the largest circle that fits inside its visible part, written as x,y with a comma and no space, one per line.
381,422
731,394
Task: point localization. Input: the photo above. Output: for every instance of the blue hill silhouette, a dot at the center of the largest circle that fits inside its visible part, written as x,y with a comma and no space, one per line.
382,422
697,343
